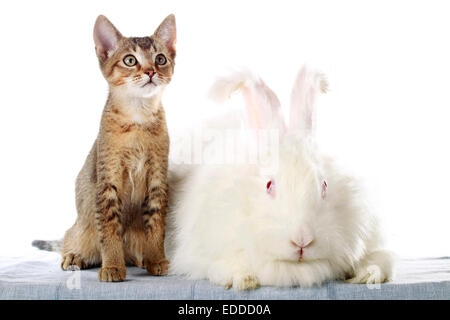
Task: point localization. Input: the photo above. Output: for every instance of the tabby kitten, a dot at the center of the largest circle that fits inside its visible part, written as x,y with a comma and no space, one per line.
121,191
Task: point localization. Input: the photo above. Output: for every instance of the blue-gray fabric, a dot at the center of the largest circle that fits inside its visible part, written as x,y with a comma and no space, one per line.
38,276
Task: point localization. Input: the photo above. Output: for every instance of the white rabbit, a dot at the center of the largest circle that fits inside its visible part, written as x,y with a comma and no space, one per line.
298,224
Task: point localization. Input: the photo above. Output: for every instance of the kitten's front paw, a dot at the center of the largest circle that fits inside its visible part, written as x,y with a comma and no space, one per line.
246,283
369,275
157,268
72,261
112,274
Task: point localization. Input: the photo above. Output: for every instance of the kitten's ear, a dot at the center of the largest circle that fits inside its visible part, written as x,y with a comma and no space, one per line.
106,37
167,32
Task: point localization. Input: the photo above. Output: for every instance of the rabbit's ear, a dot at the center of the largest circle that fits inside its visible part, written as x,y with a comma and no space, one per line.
261,103
304,92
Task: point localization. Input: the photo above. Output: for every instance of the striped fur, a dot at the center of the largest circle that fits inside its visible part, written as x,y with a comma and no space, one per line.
121,191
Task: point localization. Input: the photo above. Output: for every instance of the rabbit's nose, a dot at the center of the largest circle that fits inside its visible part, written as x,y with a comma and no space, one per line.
301,245
307,242
304,237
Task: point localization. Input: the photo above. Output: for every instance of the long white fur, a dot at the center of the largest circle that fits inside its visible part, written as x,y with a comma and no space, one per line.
306,87
224,227
225,86
257,96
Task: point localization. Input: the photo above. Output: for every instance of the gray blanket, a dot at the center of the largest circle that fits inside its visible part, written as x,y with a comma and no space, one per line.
38,276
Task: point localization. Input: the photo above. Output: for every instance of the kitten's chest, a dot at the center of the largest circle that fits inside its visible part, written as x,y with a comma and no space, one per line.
139,148
137,163
136,159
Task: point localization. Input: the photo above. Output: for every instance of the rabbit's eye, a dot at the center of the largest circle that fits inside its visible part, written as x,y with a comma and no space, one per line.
324,189
270,187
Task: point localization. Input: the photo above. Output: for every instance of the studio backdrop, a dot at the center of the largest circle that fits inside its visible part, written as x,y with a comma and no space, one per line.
385,117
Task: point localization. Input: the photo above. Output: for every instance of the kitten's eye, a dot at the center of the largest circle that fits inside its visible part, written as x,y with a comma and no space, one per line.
160,59
130,60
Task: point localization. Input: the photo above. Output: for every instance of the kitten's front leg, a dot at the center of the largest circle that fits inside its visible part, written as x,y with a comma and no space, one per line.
154,210
108,220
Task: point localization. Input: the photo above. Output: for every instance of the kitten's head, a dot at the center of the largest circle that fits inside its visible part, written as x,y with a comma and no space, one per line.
136,67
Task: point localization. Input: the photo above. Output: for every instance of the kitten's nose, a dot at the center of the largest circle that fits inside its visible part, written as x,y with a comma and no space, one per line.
150,72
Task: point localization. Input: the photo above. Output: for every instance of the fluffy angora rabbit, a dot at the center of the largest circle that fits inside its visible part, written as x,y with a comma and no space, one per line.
297,221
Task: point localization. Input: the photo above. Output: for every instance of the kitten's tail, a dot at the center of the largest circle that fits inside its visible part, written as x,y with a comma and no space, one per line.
54,245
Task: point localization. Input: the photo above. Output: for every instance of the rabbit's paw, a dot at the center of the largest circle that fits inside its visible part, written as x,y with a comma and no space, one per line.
369,275
246,283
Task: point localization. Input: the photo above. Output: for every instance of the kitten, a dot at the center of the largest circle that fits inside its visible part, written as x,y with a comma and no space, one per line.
121,191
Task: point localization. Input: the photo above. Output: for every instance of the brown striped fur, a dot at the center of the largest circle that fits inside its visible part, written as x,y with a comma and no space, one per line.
121,191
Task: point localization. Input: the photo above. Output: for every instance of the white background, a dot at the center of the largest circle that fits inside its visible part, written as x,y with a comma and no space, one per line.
386,117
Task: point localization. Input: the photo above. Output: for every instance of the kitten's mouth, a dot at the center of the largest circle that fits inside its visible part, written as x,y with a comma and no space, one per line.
149,82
